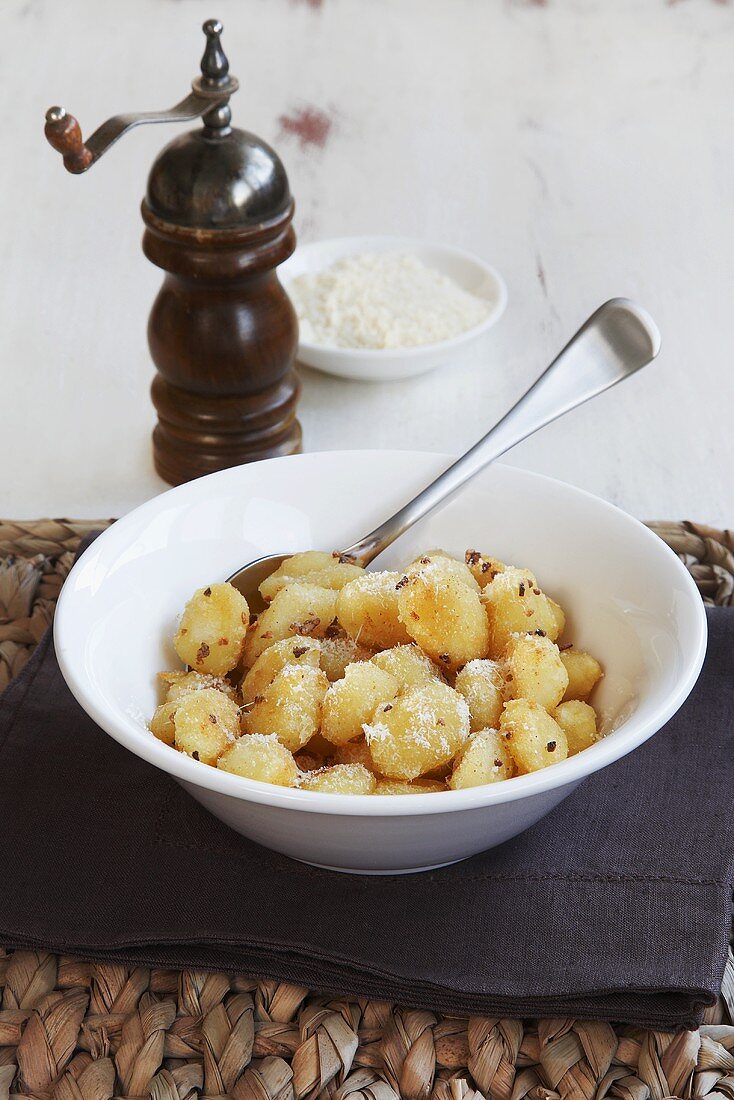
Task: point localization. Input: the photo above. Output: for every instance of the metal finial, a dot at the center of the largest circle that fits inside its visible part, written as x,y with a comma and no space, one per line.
55,114
214,63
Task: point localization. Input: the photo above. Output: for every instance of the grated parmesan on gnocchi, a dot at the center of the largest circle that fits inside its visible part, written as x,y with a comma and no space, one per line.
448,675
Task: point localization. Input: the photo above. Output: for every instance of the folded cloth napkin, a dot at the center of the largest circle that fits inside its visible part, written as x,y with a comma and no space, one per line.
615,906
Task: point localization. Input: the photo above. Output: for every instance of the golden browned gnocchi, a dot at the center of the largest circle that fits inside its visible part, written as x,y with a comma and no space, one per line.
420,731
180,683
367,608
313,566
408,664
212,629
483,686
448,566
483,759
578,722
402,786
205,723
298,608
161,724
290,706
483,568
535,670
297,650
515,605
443,613
339,650
262,757
533,739
351,702
340,779
584,672
442,676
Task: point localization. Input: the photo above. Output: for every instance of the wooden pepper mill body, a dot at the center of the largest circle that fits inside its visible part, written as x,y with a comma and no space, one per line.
223,334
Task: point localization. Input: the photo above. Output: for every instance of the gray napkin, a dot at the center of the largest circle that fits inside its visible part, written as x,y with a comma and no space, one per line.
617,905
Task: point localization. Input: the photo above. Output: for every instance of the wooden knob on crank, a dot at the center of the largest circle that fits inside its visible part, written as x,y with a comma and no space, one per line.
64,133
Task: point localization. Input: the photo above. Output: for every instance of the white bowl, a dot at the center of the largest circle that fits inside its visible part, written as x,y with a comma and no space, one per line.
376,365
628,598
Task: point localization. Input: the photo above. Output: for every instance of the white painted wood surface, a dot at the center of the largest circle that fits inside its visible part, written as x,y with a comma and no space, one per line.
584,148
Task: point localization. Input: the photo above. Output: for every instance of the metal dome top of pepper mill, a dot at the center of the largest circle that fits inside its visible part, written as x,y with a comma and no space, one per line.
222,332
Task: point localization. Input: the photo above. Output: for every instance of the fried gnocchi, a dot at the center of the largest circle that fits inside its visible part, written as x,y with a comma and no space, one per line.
446,675
584,671
340,779
352,701
482,684
298,608
290,706
483,759
516,605
262,757
419,732
578,721
408,664
314,566
442,612
367,608
204,724
535,670
212,630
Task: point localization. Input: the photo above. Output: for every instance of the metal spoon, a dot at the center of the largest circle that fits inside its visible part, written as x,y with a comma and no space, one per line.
617,340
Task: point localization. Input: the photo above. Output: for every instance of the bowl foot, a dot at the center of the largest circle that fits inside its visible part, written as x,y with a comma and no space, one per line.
387,871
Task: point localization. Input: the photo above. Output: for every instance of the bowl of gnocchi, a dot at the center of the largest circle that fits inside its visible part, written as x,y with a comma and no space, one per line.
392,719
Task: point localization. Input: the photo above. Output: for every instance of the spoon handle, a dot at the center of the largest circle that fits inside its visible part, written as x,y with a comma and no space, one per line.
617,340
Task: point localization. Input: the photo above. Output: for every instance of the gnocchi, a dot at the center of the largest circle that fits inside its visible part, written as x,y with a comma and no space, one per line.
578,721
297,650
516,605
367,608
483,686
340,779
204,724
584,671
534,739
535,670
444,676
262,757
351,702
408,665
443,613
316,567
212,630
298,608
419,732
484,759
290,706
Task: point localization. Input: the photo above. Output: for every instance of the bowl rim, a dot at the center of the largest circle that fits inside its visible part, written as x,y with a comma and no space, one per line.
405,244
127,731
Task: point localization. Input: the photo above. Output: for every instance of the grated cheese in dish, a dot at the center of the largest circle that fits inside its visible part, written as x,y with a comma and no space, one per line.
383,300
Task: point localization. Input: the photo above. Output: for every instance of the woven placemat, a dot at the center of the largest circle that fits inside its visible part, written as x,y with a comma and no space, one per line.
77,1030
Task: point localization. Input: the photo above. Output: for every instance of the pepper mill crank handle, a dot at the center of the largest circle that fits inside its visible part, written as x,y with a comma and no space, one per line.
64,133
210,90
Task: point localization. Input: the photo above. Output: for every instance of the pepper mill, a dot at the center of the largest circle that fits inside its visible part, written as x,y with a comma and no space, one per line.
222,332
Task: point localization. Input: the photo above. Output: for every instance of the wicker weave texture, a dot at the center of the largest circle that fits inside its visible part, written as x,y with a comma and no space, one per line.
78,1030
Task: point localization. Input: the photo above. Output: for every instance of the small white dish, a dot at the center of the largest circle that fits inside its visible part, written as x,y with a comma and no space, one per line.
377,365
628,599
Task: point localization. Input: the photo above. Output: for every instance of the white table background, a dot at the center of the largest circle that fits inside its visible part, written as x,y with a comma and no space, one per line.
583,147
